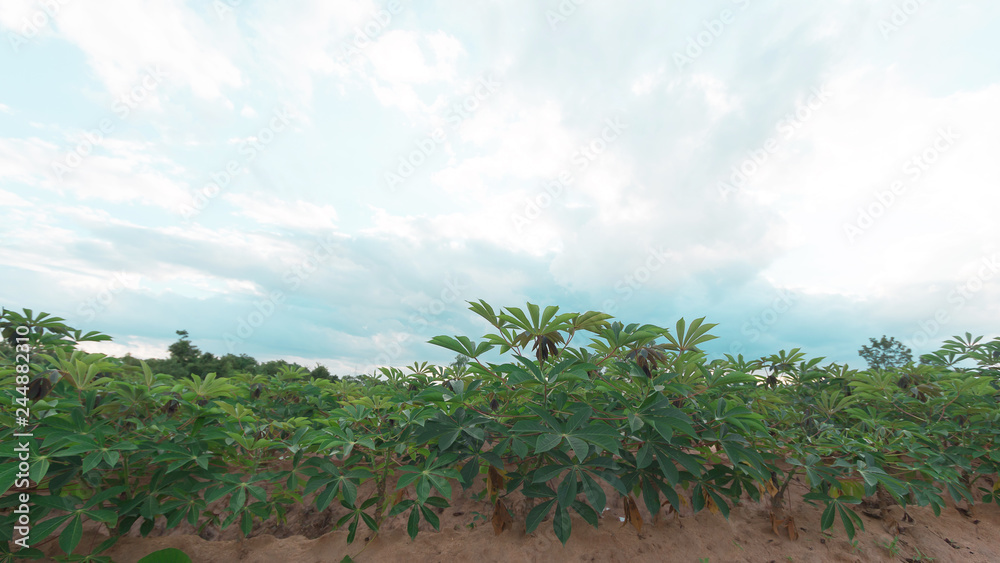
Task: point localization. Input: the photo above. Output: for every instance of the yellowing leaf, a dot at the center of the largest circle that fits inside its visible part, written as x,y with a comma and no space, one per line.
494,482
501,518
793,534
632,513
771,489
710,502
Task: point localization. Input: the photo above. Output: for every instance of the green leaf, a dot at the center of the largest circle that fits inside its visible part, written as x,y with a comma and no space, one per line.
8,475
438,502
107,516
246,523
449,343
546,442
579,447
562,525
645,456
38,470
579,417
431,517
92,460
423,490
594,493
441,484
536,515
586,512
667,467
602,435
846,518
43,530
567,490
651,496
547,473
412,523
70,537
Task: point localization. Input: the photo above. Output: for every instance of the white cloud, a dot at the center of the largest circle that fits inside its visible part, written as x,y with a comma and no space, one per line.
123,171
862,141
139,347
299,44
647,82
288,214
122,39
399,64
8,199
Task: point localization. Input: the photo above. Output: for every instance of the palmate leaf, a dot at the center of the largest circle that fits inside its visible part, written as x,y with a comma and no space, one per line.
834,506
462,345
562,525
537,514
689,339
70,536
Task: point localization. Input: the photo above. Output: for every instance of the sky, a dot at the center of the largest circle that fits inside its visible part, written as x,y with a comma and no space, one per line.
332,181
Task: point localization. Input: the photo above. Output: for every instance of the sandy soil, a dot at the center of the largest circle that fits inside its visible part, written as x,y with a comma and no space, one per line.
957,535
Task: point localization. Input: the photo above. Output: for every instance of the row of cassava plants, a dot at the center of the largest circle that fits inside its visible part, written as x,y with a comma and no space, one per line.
575,400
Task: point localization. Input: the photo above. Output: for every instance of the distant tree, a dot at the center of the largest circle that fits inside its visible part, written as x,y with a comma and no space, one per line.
186,359
885,353
274,366
322,373
168,366
183,351
461,361
242,363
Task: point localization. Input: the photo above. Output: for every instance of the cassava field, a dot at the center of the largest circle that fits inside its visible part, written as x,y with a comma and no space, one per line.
564,436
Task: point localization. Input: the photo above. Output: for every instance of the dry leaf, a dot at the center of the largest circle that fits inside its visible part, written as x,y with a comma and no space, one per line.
669,511
494,482
774,524
875,513
709,502
501,518
891,525
632,513
771,489
684,500
793,534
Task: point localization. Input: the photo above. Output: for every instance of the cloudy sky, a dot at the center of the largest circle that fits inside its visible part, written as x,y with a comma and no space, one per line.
331,181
